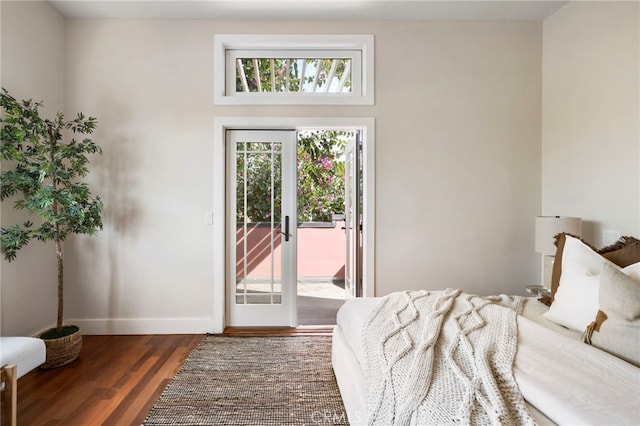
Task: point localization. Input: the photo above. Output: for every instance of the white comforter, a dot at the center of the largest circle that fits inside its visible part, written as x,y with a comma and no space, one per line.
569,382
573,383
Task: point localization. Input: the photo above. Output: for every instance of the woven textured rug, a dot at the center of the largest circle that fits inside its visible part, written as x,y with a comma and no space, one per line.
253,381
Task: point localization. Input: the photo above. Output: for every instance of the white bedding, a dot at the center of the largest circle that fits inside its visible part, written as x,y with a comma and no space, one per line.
562,379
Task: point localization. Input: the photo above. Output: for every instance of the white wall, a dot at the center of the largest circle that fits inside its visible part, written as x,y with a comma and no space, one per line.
591,116
459,163
458,160
32,67
458,153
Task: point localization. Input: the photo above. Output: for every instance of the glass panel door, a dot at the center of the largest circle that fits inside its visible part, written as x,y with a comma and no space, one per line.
262,228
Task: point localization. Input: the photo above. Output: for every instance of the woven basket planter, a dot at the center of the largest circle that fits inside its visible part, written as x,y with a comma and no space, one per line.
63,350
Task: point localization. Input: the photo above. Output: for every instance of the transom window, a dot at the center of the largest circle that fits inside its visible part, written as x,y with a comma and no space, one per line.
294,70
291,75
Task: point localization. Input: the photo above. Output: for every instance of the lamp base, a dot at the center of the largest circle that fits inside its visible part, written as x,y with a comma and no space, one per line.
547,271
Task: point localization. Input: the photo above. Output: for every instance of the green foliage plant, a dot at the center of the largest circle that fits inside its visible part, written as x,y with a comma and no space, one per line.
45,174
321,175
320,171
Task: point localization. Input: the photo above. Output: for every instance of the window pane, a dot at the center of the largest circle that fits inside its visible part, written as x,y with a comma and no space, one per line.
258,227
290,75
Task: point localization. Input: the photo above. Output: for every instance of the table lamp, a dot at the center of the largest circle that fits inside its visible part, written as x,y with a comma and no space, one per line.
547,227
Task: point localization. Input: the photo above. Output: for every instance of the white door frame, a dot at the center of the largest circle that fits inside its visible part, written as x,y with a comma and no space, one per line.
267,313
221,124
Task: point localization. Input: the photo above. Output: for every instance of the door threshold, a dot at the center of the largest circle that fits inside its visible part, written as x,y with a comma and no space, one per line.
303,330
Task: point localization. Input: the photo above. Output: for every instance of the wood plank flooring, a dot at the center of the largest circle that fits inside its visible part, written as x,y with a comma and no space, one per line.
117,379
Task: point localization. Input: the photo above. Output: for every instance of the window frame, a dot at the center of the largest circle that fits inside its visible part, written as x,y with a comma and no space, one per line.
226,46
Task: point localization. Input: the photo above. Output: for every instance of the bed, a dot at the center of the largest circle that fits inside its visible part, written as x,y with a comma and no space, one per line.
561,379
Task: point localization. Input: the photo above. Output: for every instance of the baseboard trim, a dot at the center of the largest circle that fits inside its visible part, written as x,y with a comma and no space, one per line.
117,326
305,330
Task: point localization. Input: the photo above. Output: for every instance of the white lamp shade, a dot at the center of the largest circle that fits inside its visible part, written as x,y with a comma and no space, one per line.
548,227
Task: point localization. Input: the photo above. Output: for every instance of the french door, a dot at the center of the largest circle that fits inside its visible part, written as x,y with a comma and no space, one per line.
261,200
353,217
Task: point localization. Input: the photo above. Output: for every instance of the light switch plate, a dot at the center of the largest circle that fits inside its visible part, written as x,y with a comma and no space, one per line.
208,218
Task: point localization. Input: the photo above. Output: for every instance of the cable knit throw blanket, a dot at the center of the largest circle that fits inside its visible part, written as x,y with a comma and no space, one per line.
443,358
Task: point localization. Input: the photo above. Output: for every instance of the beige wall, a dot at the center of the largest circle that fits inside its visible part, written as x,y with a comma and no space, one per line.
459,173
591,116
458,156
457,146
32,67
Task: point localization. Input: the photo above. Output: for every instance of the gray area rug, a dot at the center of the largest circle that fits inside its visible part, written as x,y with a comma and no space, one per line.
253,381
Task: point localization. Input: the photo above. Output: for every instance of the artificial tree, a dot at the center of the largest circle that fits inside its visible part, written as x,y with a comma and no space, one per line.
45,174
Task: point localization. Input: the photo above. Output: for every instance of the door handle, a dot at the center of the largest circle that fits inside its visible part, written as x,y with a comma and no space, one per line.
286,228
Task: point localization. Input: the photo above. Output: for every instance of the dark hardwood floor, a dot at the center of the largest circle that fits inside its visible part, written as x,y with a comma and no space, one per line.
117,379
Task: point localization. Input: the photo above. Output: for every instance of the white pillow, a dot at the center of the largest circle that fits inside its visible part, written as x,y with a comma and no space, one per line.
632,270
575,304
617,328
